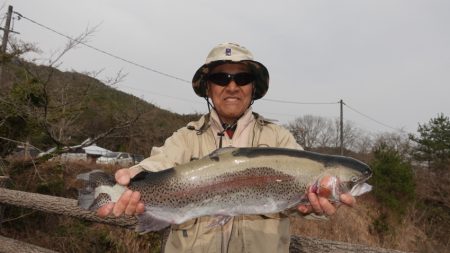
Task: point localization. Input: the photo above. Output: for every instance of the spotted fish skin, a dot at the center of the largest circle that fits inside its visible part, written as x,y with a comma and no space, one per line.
236,181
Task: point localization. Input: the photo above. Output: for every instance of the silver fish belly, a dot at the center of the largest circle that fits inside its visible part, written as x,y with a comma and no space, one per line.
229,182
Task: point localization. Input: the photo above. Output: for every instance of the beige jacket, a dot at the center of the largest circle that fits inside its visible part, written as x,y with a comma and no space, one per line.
250,233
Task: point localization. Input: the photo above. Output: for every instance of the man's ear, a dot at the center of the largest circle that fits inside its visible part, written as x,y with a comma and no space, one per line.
254,91
207,89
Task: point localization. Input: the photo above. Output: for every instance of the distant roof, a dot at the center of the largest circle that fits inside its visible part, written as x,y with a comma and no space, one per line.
96,150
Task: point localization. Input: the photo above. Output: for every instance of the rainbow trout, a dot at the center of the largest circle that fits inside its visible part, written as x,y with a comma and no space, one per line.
230,182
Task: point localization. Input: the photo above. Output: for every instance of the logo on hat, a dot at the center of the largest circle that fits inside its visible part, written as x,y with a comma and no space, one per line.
228,51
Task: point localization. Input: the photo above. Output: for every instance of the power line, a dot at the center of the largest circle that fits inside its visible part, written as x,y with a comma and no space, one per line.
372,119
103,51
298,103
160,94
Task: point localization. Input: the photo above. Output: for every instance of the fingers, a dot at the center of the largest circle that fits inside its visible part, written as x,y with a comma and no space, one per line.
347,199
315,204
129,203
318,205
133,203
140,208
326,206
122,203
105,210
123,176
305,209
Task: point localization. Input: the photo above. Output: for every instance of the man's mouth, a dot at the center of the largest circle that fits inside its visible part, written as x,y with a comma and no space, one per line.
231,99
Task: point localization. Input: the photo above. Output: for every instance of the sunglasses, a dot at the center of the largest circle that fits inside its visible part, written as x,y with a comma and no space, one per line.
223,79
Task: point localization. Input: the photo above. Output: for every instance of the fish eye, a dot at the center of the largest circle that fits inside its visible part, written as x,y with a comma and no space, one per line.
354,179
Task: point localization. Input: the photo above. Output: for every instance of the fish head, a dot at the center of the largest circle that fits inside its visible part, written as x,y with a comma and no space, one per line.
351,174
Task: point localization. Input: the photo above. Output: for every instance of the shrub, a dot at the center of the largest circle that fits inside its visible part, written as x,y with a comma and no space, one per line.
392,179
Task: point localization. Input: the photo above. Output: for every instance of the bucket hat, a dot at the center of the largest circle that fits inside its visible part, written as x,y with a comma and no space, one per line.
231,53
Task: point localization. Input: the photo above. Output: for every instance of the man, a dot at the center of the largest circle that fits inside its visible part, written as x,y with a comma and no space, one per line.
232,80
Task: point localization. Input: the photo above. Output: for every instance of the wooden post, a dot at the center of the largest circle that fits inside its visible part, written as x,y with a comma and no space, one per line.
6,29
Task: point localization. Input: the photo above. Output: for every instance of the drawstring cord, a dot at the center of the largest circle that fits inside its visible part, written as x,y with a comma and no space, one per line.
221,134
226,127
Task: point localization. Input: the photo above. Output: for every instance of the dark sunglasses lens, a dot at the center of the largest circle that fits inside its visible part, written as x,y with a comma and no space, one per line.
220,78
224,79
244,78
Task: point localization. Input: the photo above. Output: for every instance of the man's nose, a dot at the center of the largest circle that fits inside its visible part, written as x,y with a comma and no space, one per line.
232,85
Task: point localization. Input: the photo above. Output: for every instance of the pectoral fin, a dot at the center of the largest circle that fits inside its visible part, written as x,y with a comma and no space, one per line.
148,223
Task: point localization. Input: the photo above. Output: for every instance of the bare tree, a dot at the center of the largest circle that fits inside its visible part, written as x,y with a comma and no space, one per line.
307,130
314,131
47,101
364,144
400,142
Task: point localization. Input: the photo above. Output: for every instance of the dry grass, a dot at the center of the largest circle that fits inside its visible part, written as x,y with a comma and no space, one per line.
347,225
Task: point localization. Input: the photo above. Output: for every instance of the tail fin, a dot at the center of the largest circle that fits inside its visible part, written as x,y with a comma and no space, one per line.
88,198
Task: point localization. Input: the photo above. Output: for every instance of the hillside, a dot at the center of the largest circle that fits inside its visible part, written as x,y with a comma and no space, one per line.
71,107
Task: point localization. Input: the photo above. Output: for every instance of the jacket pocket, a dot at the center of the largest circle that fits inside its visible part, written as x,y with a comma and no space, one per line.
185,225
181,237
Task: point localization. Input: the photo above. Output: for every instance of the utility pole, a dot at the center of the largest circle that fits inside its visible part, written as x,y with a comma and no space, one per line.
341,128
6,29
5,40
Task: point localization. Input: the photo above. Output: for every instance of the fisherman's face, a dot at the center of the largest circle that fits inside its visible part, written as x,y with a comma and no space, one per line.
230,100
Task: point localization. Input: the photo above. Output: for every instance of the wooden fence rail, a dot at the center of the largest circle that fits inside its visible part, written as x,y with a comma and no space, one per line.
69,207
8,245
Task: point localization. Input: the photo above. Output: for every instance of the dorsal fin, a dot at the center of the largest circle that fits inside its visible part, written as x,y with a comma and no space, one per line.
216,153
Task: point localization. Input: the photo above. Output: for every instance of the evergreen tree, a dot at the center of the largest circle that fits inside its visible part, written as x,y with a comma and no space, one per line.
433,142
393,180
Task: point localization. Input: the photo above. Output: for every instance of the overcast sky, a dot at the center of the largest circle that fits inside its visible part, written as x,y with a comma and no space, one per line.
387,59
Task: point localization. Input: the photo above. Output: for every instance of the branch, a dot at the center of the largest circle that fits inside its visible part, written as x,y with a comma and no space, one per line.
113,81
112,129
20,142
73,42
90,141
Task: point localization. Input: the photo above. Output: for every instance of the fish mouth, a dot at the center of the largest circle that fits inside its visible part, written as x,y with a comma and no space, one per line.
353,182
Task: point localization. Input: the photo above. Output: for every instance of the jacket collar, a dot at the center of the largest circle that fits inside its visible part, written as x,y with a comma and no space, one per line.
244,120
212,118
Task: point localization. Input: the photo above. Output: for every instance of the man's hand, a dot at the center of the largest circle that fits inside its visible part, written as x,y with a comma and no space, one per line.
321,205
129,203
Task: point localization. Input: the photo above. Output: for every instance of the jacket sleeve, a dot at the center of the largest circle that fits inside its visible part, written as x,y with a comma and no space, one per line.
273,135
286,139
176,150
